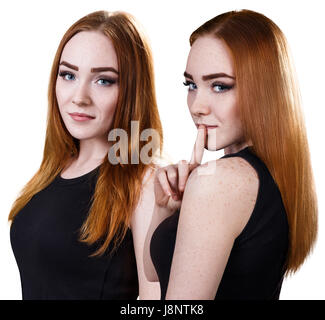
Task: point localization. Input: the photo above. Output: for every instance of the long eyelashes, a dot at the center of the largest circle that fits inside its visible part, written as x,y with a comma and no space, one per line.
103,81
216,86
221,87
63,74
191,85
107,81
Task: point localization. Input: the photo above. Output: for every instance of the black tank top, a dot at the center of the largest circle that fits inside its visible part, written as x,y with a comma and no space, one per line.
255,267
53,263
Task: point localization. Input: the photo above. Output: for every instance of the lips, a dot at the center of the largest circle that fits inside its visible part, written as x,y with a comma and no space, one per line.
84,115
206,126
81,117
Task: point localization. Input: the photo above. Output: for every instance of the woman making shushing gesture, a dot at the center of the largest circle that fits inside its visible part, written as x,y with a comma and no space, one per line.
234,227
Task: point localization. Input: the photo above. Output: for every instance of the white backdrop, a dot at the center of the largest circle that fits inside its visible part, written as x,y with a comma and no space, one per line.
30,33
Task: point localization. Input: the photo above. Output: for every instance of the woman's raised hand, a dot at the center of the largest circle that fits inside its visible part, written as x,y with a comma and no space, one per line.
170,181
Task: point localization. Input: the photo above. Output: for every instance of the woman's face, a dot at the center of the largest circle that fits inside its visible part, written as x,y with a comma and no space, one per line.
87,85
211,96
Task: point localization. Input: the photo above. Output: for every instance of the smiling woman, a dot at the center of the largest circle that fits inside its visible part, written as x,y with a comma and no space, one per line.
79,225
86,93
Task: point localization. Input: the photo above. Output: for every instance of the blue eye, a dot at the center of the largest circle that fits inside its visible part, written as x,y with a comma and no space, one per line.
67,75
191,85
219,87
106,82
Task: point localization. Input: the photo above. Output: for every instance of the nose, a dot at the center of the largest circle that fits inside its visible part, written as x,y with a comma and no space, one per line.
81,95
199,105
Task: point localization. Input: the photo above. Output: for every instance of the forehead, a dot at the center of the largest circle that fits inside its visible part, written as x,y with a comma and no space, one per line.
90,49
209,55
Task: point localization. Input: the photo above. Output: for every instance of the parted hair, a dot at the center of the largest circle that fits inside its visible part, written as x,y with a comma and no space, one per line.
119,185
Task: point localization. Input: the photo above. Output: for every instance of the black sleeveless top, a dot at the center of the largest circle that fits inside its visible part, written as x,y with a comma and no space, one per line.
255,267
53,263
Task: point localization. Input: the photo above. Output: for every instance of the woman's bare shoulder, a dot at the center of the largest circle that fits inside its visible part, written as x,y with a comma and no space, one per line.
234,171
222,188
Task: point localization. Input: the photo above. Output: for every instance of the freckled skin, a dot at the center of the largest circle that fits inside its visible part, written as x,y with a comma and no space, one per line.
209,55
219,195
217,203
214,211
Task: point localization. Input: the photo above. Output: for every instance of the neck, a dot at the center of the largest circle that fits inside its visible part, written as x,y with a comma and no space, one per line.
234,148
92,151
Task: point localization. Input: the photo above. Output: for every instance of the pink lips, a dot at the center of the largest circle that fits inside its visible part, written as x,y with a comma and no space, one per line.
81,116
206,126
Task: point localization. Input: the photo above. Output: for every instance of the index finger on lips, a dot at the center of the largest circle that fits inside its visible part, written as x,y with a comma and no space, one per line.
198,149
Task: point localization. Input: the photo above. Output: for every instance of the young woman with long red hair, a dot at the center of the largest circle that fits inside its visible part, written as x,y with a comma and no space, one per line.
244,221
79,225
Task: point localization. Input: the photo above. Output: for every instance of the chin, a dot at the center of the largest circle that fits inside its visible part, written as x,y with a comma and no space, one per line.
81,135
211,145
210,148
214,146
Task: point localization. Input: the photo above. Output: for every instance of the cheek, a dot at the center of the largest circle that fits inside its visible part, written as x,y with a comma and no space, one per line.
234,125
227,110
108,102
190,100
233,114
233,110
61,94
109,110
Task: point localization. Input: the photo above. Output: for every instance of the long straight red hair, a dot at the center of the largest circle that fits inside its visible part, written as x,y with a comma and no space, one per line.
270,110
118,186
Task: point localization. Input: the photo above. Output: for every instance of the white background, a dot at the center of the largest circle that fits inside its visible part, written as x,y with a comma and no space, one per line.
30,34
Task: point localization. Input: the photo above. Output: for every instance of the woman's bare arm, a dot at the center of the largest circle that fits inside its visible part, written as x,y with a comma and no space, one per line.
215,208
140,223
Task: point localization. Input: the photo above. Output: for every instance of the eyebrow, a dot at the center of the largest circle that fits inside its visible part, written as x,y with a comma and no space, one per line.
99,69
210,76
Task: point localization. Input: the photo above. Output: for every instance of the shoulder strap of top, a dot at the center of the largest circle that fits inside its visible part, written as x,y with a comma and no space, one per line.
249,155
267,192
